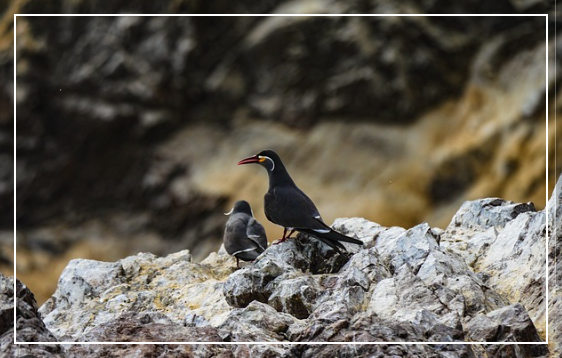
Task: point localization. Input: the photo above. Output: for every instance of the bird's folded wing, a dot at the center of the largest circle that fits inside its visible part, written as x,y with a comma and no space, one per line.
290,207
256,233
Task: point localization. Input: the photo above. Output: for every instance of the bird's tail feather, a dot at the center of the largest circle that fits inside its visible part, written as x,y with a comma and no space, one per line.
332,239
334,235
336,245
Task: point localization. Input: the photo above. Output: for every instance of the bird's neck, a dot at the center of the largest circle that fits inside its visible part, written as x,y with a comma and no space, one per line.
279,176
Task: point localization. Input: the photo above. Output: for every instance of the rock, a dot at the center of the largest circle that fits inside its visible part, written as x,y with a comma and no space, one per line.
554,264
150,350
295,296
510,323
143,283
148,327
555,209
280,262
410,285
480,215
506,324
30,326
411,247
505,243
380,351
258,322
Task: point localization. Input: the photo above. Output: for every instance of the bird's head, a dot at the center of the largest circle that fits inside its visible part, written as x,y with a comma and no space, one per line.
241,206
266,158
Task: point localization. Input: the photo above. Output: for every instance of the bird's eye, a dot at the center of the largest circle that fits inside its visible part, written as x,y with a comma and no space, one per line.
263,158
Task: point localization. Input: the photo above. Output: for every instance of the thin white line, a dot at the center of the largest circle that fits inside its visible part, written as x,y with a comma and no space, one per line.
264,343
282,343
286,15
14,212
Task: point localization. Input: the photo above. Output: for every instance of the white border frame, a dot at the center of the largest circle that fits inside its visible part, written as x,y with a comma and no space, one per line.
294,343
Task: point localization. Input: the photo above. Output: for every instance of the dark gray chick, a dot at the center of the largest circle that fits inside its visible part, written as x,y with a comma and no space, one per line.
244,237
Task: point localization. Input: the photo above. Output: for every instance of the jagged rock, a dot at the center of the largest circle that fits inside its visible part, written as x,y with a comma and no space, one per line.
411,246
506,324
172,285
505,243
382,351
510,323
258,322
295,296
148,327
402,286
149,350
280,262
405,277
485,213
555,273
30,327
249,351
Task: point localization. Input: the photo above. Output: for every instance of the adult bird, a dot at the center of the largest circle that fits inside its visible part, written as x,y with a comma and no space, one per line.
288,206
244,237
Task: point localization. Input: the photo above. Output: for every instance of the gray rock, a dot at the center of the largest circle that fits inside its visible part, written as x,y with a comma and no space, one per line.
295,296
410,247
363,229
382,351
485,213
555,273
148,327
279,262
150,350
403,286
30,326
509,323
505,243
258,322
506,324
555,208
93,293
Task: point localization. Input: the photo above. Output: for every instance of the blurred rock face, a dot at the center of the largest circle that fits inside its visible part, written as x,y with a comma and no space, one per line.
129,128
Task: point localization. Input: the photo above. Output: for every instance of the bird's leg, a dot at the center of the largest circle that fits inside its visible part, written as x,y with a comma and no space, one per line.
237,262
285,237
291,233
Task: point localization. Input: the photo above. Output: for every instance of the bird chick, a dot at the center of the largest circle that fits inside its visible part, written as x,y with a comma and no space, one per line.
244,237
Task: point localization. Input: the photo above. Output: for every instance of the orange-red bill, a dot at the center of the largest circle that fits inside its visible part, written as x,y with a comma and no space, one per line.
249,160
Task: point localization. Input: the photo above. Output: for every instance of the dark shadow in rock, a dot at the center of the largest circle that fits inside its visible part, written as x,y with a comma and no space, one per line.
289,259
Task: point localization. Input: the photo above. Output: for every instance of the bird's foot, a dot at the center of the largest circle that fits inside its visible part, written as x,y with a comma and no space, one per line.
285,237
277,242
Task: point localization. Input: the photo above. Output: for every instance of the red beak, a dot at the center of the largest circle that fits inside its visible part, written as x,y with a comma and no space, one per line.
250,160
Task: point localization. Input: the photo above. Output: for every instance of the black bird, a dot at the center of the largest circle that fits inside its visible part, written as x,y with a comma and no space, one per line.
244,237
286,205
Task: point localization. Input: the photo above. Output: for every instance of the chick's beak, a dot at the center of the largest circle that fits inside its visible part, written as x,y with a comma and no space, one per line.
250,160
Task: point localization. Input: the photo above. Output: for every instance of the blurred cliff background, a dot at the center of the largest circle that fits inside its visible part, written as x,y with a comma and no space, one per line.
129,128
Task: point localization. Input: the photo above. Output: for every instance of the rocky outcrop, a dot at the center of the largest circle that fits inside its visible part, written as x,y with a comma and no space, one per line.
30,327
555,273
479,280
504,246
176,288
